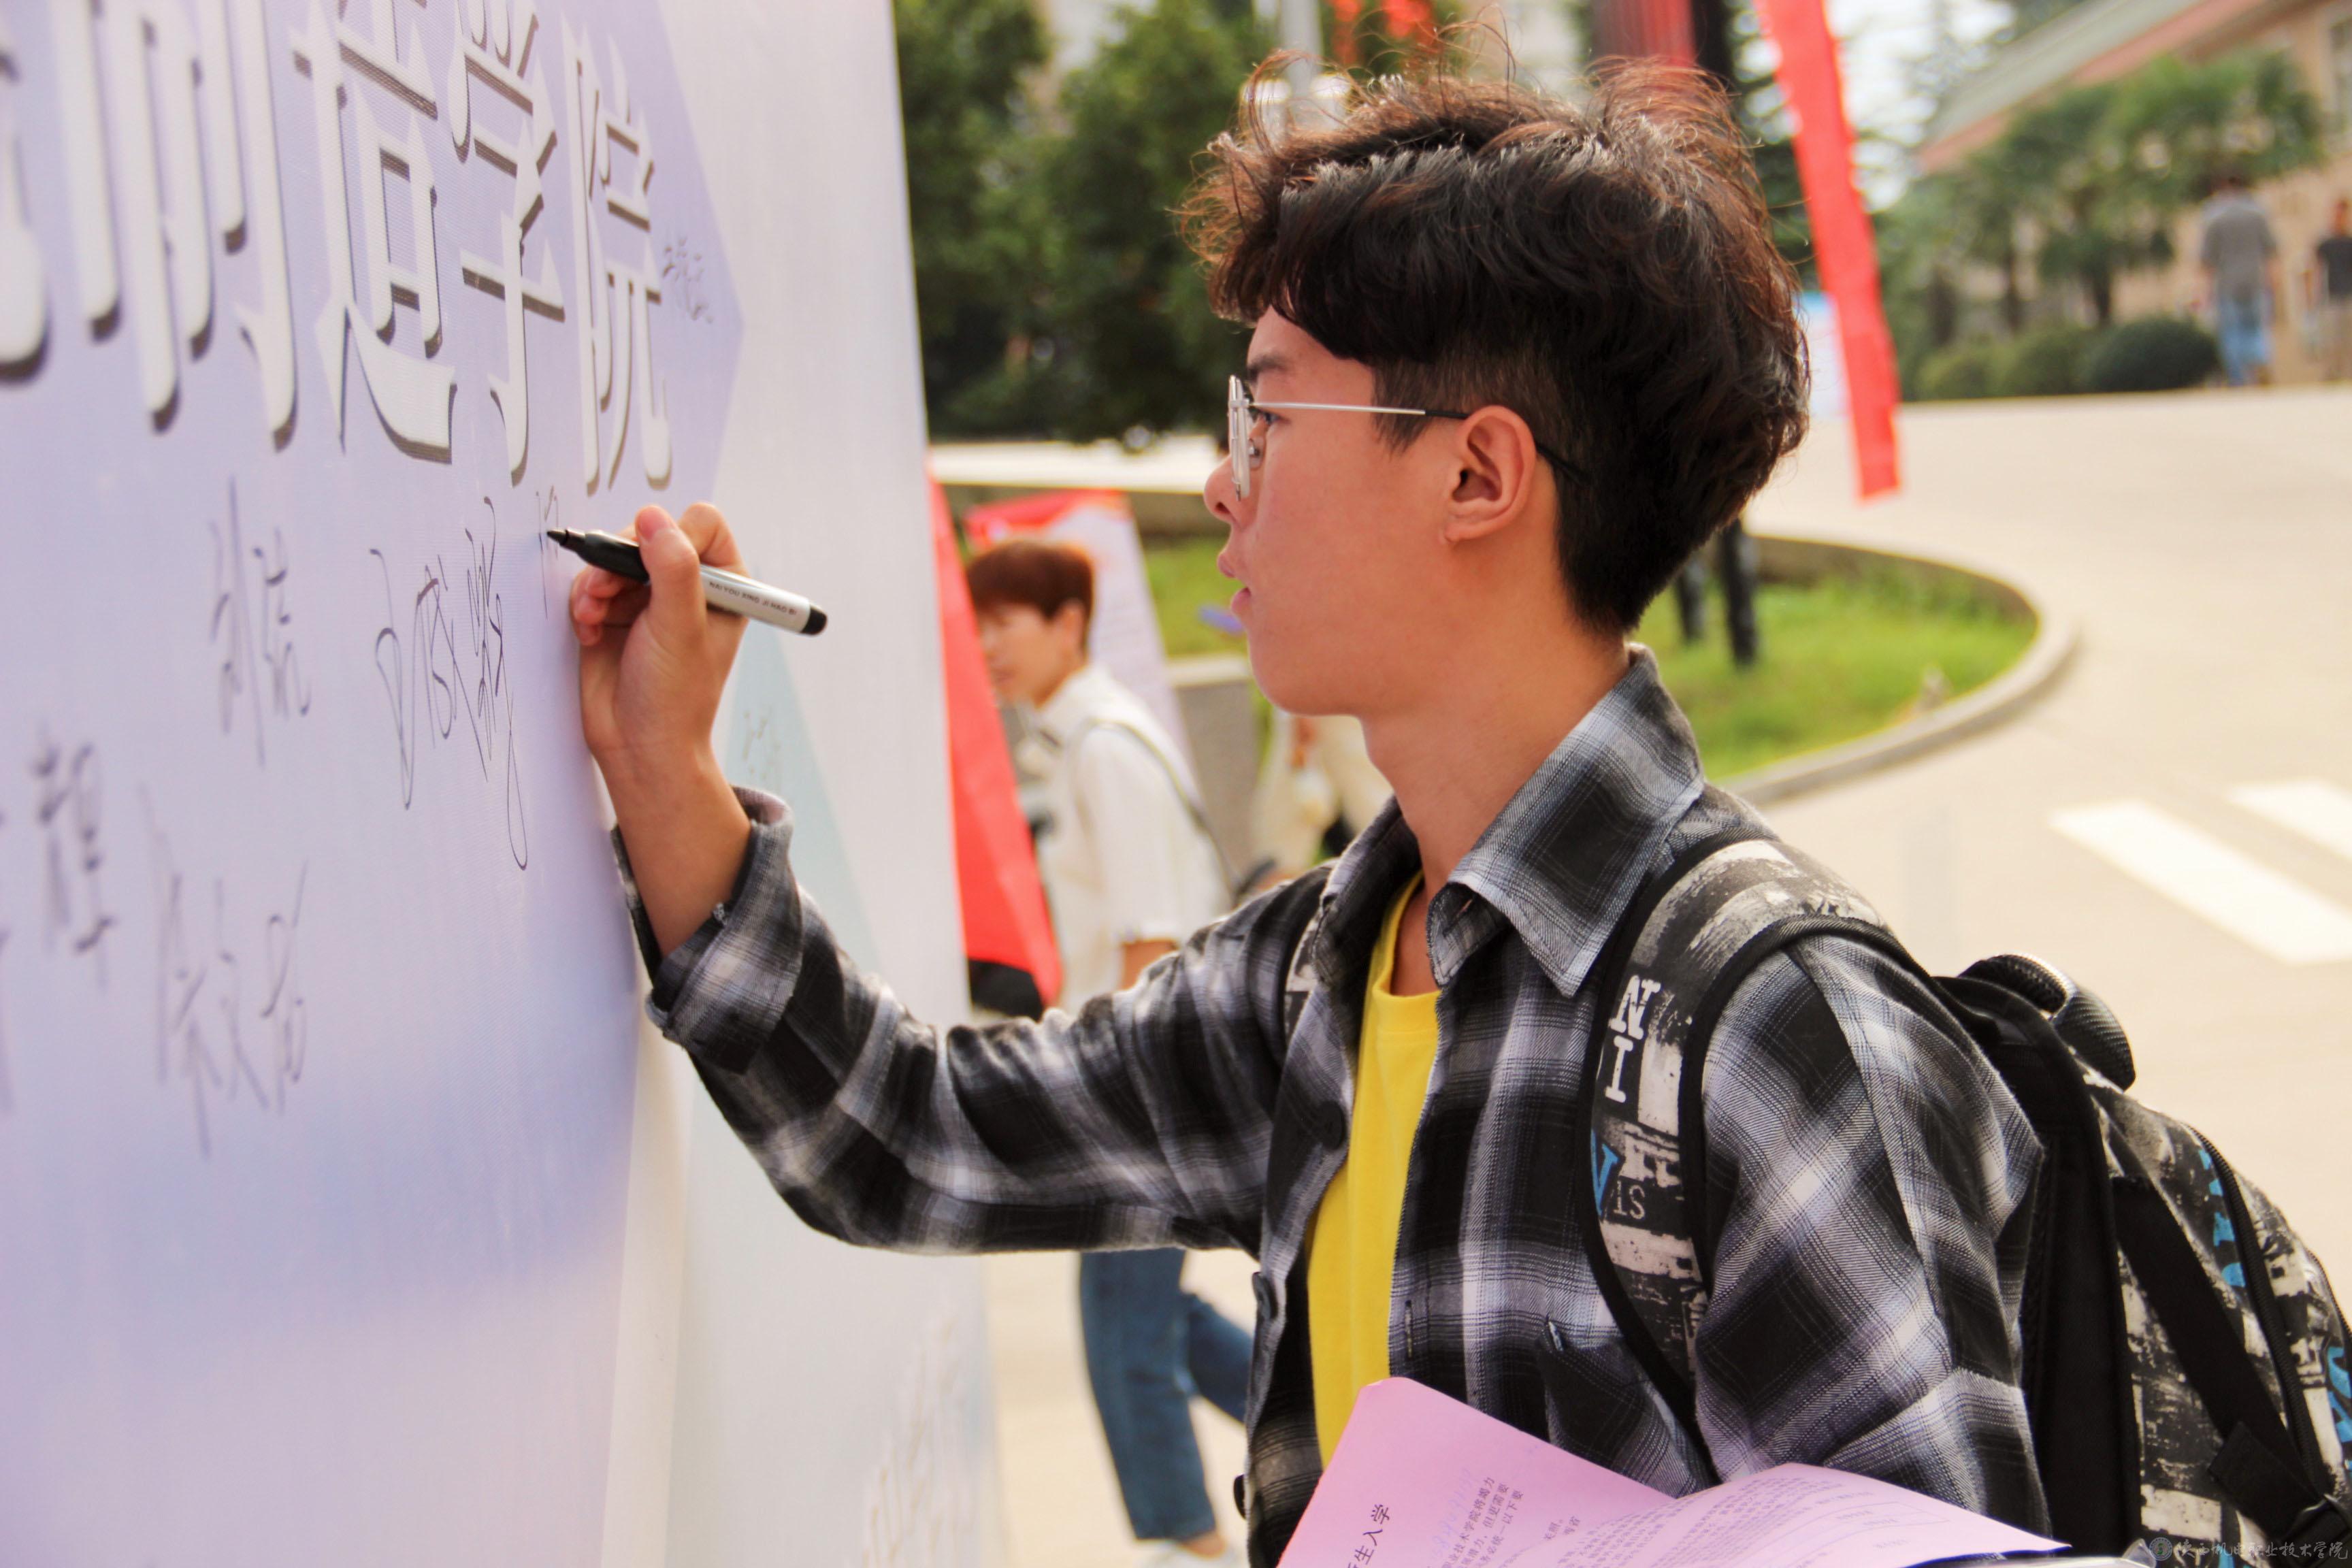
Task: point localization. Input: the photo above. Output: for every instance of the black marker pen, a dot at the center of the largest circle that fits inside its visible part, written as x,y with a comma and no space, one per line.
721,590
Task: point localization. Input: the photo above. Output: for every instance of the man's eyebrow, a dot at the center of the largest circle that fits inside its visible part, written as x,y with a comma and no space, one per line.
1263,365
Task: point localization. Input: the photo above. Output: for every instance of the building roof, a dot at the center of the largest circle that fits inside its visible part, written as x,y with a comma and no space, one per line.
2096,41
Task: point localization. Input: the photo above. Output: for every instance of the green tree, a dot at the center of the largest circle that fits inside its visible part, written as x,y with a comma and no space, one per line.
1984,212
1920,262
1125,310
2182,126
964,69
2101,174
1731,47
2061,166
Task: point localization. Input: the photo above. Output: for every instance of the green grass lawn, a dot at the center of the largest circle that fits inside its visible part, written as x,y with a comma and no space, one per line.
1184,576
1840,658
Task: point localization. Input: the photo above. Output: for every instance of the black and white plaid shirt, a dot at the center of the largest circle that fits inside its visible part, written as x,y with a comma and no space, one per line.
1865,1162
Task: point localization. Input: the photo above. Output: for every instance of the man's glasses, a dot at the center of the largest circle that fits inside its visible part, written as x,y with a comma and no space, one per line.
1245,454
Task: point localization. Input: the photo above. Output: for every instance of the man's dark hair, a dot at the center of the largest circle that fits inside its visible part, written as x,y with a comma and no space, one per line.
1604,269
1043,574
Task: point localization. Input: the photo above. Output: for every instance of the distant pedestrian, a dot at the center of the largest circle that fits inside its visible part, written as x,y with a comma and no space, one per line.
2241,258
1316,791
2331,294
1130,871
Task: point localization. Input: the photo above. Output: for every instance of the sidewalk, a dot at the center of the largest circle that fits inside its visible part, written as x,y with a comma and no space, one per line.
1061,1502
2204,540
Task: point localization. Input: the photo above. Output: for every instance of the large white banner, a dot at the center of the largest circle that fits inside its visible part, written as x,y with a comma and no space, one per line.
317,1008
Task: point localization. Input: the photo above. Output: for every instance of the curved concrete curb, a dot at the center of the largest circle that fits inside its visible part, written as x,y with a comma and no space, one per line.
2035,672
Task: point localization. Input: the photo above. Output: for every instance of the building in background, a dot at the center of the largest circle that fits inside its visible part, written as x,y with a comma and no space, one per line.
2100,40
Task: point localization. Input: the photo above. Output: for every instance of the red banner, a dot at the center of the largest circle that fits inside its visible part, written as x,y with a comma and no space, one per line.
1646,29
1843,245
1005,919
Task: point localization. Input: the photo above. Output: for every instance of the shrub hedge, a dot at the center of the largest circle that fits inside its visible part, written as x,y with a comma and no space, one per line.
1966,369
2155,354
2152,353
2044,363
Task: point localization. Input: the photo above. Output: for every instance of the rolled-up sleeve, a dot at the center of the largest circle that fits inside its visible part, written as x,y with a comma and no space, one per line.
1871,1173
1142,1120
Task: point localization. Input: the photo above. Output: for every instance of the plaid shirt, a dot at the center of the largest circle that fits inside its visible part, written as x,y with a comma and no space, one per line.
1865,1163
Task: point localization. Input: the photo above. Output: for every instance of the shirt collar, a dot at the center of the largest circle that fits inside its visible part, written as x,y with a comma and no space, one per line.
1562,862
1080,697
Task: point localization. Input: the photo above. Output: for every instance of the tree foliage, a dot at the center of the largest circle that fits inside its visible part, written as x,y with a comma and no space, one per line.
1127,310
1055,293
1731,45
964,68
2085,186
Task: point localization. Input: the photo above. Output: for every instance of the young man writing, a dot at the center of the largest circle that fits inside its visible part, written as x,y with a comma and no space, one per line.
1513,361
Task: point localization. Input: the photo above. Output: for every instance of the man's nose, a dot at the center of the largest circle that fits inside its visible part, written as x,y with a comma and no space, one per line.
1218,494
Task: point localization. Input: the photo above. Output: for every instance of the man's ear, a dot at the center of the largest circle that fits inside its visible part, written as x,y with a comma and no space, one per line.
1070,621
1498,474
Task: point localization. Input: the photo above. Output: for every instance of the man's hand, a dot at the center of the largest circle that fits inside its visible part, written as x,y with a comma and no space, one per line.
653,663
654,657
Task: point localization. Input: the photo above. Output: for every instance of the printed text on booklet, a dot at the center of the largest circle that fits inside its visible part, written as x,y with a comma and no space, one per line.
1421,1480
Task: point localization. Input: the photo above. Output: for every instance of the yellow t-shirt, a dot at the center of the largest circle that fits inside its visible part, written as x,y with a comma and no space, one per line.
1352,1255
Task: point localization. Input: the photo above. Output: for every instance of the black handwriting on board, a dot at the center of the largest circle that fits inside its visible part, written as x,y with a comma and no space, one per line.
494,695
69,794
213,1041
182,1046
432,678
420,674
253,630
289,692
232,628
285,1016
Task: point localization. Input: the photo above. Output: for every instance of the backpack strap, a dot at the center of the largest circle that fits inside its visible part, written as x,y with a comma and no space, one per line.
1694,934
1236,882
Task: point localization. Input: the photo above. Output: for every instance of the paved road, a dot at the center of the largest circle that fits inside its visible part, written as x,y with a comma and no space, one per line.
2205,544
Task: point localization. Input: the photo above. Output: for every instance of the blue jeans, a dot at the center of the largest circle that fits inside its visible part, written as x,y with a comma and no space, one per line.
2243,325
1150,1348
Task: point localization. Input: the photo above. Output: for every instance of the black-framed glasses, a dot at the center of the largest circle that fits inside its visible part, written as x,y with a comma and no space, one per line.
1244,454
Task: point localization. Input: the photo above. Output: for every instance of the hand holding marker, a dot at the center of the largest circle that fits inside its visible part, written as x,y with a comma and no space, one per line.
721,590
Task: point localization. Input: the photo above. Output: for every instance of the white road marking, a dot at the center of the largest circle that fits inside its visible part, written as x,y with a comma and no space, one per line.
2248,900
2317,809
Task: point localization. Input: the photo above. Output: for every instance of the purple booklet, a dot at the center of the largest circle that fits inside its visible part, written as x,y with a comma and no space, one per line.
1421,1480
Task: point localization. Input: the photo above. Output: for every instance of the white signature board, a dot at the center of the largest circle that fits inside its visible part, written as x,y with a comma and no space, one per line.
319,1009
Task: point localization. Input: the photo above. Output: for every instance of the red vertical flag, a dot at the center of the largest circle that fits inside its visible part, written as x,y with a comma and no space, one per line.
1005,921
1843,245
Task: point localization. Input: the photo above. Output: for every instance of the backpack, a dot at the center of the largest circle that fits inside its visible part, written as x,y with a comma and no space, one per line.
2184,1373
